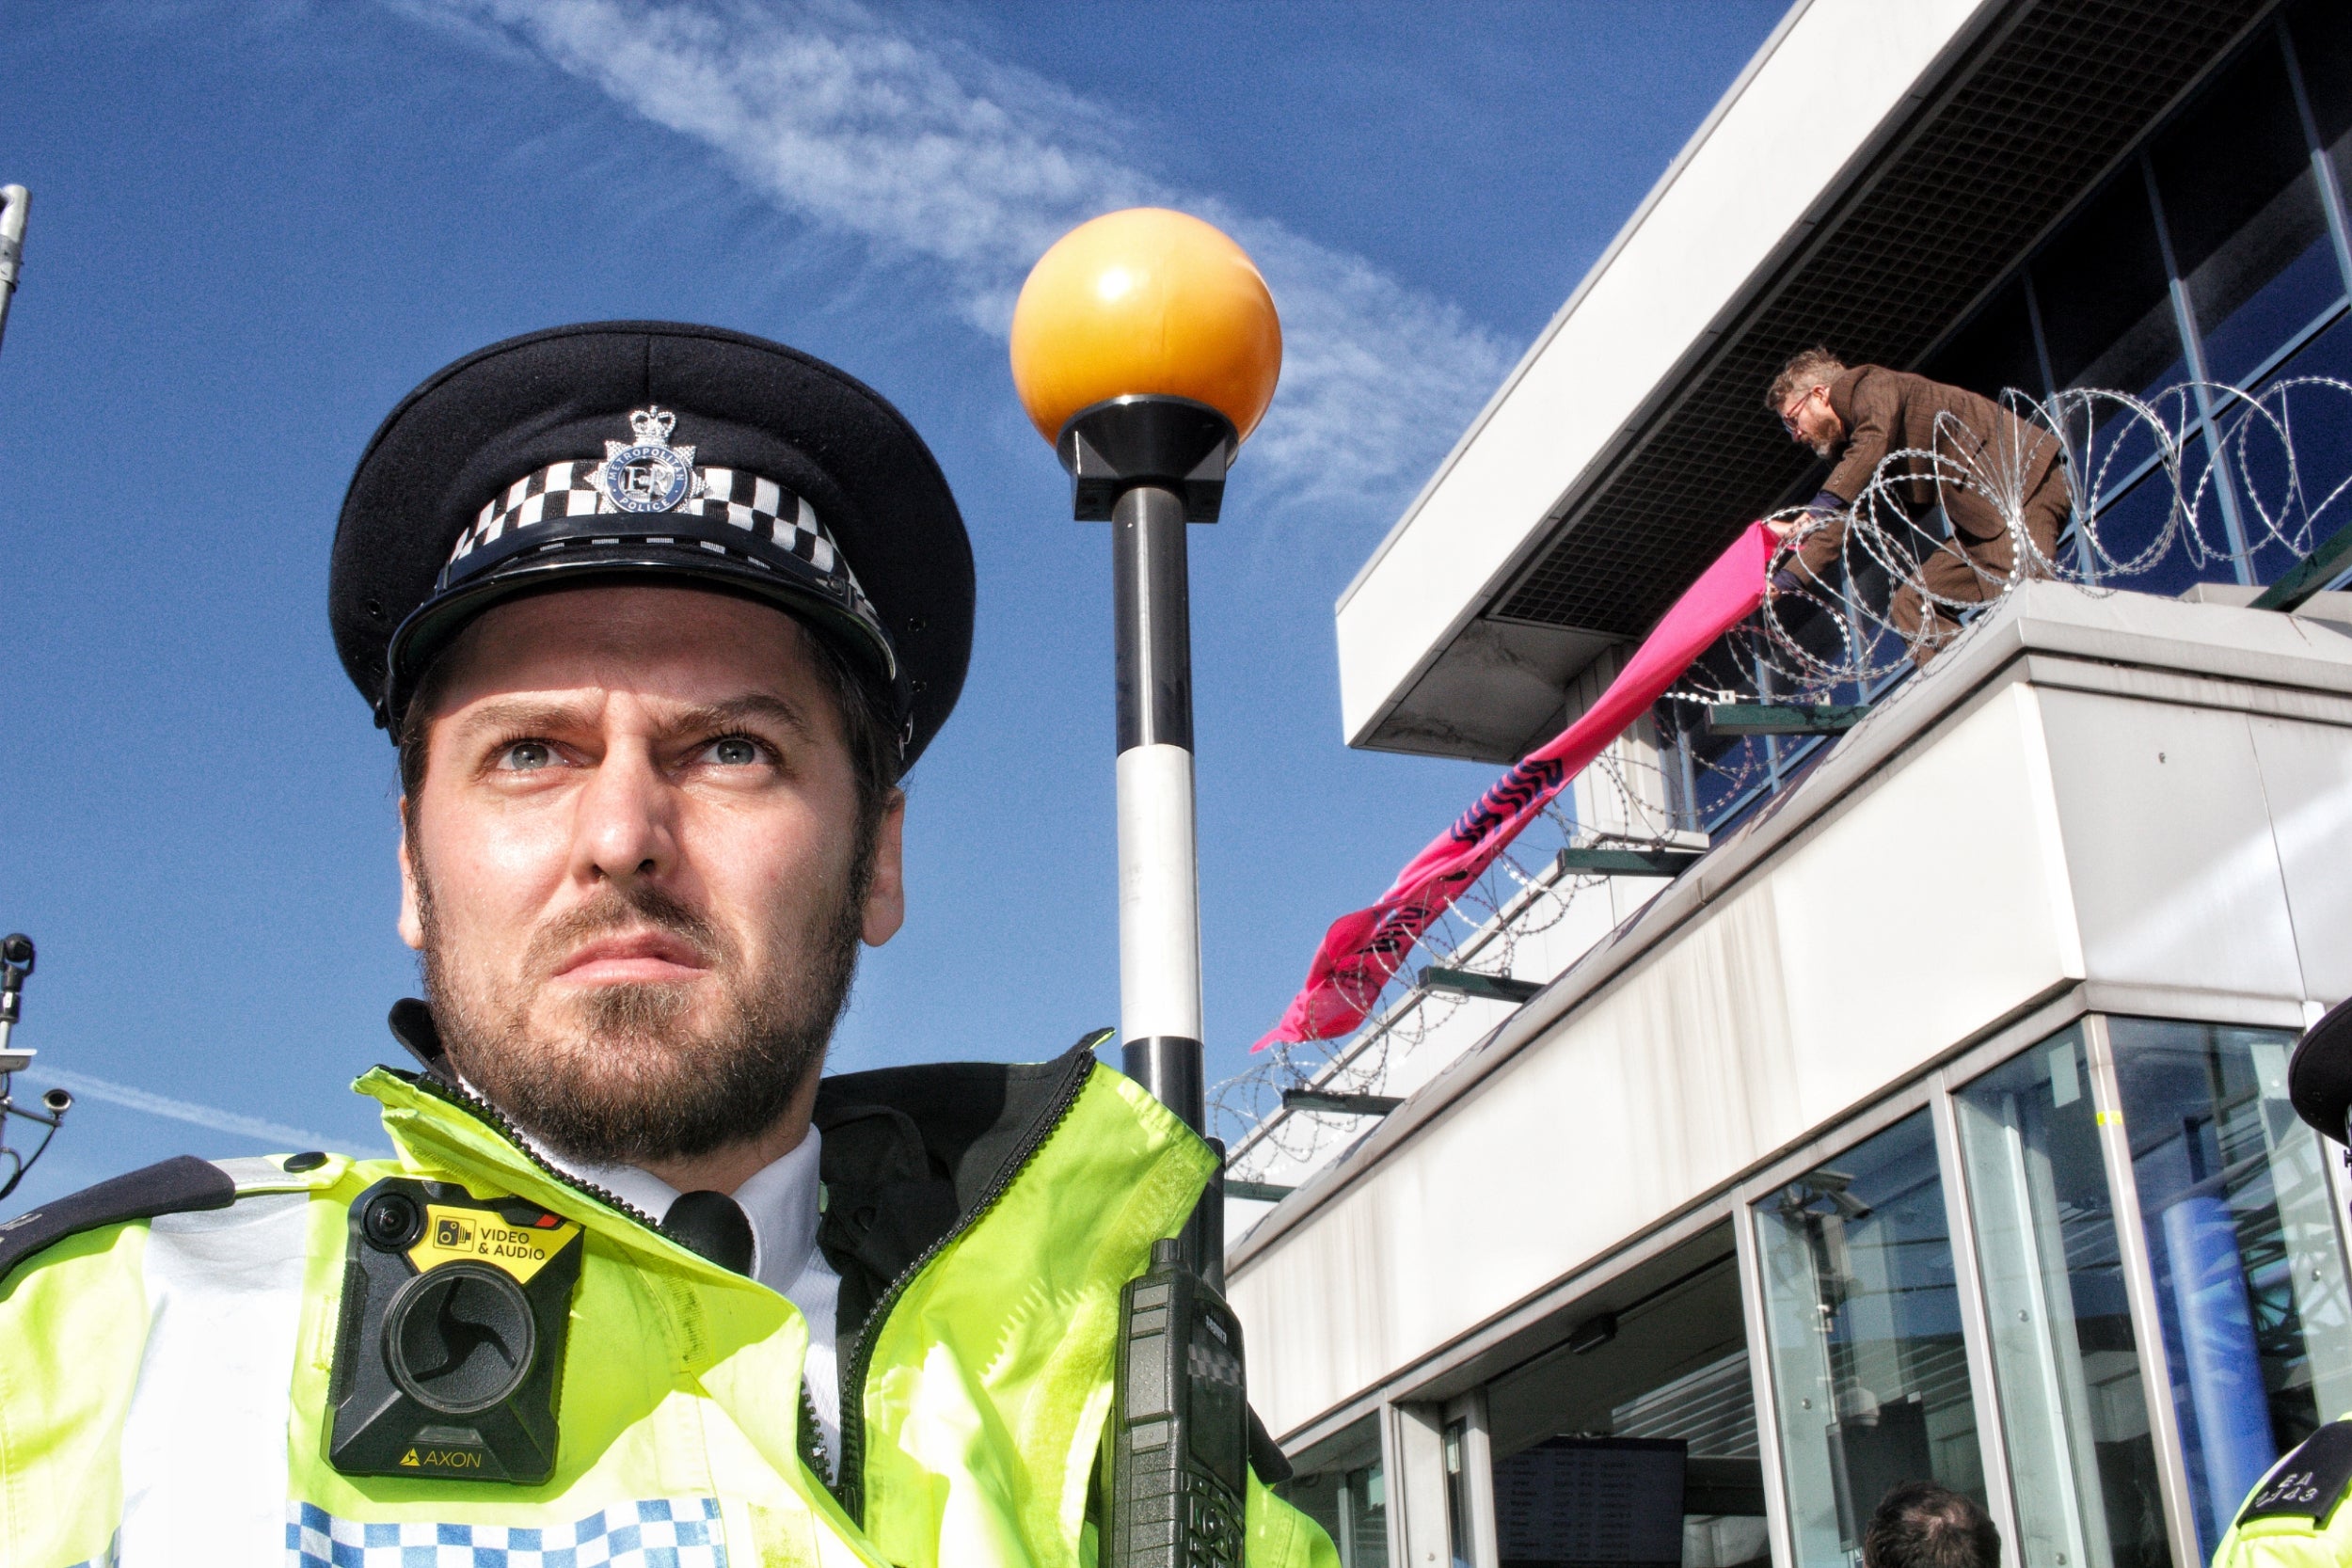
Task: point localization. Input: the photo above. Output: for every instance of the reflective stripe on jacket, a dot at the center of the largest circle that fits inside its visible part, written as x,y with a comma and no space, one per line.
164,1384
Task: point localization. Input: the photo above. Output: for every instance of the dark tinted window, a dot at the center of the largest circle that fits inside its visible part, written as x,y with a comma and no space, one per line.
2308,413
2106,308
2321,31
2243,211
1995,352
2141,543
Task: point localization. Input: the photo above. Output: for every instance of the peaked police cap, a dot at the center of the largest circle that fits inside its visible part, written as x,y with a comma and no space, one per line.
661,453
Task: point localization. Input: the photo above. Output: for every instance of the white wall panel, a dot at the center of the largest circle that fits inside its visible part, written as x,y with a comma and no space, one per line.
1929,908
2168,845
2307,779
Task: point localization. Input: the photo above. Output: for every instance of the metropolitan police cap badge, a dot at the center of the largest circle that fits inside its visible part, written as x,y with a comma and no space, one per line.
649,474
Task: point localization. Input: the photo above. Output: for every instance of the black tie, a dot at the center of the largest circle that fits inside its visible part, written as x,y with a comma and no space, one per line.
713,1226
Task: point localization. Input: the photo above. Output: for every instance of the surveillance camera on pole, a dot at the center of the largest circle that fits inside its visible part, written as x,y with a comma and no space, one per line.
16,965
1145,346
13,202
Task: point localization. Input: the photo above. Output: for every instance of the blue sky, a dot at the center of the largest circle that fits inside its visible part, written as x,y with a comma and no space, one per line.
256,225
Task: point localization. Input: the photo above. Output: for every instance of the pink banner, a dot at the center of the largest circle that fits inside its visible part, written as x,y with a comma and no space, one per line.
1362,951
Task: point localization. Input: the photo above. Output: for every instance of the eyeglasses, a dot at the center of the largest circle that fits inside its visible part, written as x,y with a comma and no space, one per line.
1790,425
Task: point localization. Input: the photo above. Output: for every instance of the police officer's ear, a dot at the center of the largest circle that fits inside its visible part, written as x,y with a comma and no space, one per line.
411,919
886,894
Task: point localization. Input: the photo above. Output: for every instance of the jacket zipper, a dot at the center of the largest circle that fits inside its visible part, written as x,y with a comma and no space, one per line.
850,1488
483,1111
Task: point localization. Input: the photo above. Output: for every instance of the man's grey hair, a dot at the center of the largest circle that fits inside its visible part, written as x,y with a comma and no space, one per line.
1814,367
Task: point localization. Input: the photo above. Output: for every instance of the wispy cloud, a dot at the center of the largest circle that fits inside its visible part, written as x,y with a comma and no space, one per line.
929,151
277,1135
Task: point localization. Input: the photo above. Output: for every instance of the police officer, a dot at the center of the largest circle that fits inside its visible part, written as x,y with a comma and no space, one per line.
657,616
2294,1518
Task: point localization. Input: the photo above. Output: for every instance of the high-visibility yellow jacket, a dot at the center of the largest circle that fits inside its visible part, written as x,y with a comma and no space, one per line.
2294,1518
164,1375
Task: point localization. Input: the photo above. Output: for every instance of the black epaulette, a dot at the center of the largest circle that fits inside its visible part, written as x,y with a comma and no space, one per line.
2308,1483
174,1186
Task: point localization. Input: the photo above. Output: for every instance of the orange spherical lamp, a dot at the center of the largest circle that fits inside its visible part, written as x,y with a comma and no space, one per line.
1145,303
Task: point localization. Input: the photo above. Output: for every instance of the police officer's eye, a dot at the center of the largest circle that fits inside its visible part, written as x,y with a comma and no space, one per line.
732,751
526,756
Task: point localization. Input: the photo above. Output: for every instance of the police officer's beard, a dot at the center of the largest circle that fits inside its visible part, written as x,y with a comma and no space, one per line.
632,1081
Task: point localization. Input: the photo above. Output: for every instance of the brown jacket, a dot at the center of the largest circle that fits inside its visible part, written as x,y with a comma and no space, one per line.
1984,445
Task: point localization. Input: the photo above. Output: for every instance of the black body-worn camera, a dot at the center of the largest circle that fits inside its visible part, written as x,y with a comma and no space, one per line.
1180,1424
449,1357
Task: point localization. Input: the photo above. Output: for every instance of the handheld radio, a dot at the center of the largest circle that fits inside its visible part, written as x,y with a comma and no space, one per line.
1179,1449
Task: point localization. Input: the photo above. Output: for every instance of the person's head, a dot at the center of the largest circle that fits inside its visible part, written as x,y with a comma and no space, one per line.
657,615
1920,1524
644,829
1800,396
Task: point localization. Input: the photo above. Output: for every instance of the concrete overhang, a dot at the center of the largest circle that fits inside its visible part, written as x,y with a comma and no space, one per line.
1874,170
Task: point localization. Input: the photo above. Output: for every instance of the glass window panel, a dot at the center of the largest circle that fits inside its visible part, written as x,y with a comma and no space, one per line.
2241,1238
2204,552
2322,30
1870,1375
1364,1519
1652,1391
2301,415
2243,210
1344,1493
1457,1498
2082,1463
2106,306
2134,550
1995,352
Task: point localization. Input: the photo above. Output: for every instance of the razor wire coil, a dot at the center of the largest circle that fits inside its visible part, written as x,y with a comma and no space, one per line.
2235,494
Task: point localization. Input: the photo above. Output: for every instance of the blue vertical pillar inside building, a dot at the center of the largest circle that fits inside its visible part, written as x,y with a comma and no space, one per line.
2223,1367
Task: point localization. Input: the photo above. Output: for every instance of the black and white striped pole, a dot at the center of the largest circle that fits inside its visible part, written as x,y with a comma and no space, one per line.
1150,467
1146,347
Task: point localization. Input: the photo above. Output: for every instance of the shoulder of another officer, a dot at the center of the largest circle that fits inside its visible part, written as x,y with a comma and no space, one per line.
2296,1511
181,1185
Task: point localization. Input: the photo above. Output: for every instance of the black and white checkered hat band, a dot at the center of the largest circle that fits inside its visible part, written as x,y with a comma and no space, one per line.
762,508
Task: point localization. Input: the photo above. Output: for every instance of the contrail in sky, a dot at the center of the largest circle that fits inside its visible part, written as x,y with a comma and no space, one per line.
841,117
277,1135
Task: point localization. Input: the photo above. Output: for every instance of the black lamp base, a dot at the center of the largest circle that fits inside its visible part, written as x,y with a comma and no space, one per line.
1169,442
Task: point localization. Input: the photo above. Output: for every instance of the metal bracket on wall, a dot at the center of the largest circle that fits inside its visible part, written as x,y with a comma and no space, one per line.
1596,862
2333,555
1784,719
1339,1105
1256,1192
1471,982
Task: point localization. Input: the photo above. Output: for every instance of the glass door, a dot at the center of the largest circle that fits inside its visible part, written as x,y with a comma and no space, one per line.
2082,1462
1870,1373
2241,1238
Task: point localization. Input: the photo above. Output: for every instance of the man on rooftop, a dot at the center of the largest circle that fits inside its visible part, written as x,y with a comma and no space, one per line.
1998,482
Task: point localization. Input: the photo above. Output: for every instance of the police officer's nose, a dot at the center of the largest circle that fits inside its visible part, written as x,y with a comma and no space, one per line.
624,830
